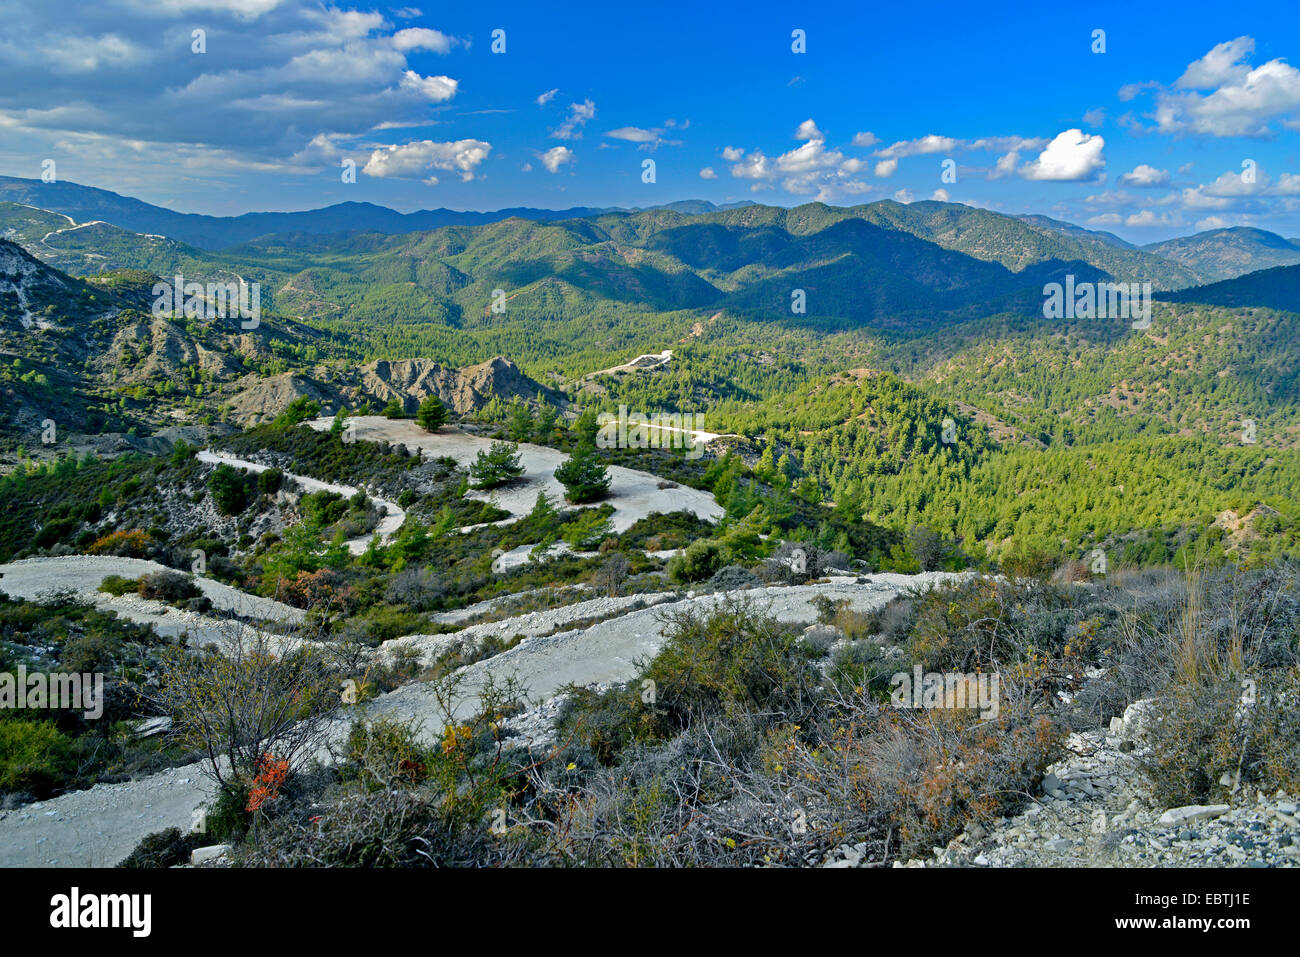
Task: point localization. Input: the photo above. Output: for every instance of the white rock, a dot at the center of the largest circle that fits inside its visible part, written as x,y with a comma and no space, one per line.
201,855
1191,812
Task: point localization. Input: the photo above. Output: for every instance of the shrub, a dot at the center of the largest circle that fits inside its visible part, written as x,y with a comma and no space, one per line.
124,544
229,489
117,586
167,848
700,561
34,755
169,586
587,530
732,578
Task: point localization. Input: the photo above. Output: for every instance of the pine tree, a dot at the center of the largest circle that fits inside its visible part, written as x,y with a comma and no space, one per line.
583,475
432,414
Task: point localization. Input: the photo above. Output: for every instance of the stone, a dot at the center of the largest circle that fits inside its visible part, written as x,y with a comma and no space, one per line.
1192,812
201,855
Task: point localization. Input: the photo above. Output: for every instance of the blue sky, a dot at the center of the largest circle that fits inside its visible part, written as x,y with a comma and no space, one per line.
1188,120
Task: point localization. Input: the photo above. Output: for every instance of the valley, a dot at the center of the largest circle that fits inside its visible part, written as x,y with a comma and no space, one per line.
388,530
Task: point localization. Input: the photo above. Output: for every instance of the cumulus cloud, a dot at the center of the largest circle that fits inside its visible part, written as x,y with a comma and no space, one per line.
941,195
422,38
1242,100
414,160
810,169
917,147
435,89
278,75
886,168
1072,156
708,173
865,139
1145,177
556,157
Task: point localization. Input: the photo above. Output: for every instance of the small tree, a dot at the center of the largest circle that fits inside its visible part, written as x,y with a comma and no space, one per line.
432,414
584,476
394,410
496,466
609,577
249,697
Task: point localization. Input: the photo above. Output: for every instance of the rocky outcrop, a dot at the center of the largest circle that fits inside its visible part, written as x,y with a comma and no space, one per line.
410,381
260,398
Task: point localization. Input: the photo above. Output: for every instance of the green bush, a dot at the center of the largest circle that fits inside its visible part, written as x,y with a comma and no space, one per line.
33,755
701,560
117,586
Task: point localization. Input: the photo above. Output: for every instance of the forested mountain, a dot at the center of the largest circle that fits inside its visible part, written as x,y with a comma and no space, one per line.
920,384
87,203
1227,253
1276,288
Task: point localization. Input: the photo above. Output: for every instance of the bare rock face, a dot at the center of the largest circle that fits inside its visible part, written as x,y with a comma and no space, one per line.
410,381
262,398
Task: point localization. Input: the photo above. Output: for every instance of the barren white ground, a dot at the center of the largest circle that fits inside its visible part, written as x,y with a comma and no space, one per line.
633,494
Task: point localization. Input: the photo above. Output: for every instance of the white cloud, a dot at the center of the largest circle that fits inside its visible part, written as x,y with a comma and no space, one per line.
1095,117
556,157
731,154
579,115
422,38
808,131
1145,177
865,139
1146,218
1212,222
412,160
547,97
435,89
1130,91
1243,99
1071,157
81,54
904,196
708,173
941,195
645,139
1006,165
1222,65
886,168
926,144
1106,219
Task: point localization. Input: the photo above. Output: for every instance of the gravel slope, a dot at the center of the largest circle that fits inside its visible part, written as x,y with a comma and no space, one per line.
100,826
84,573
